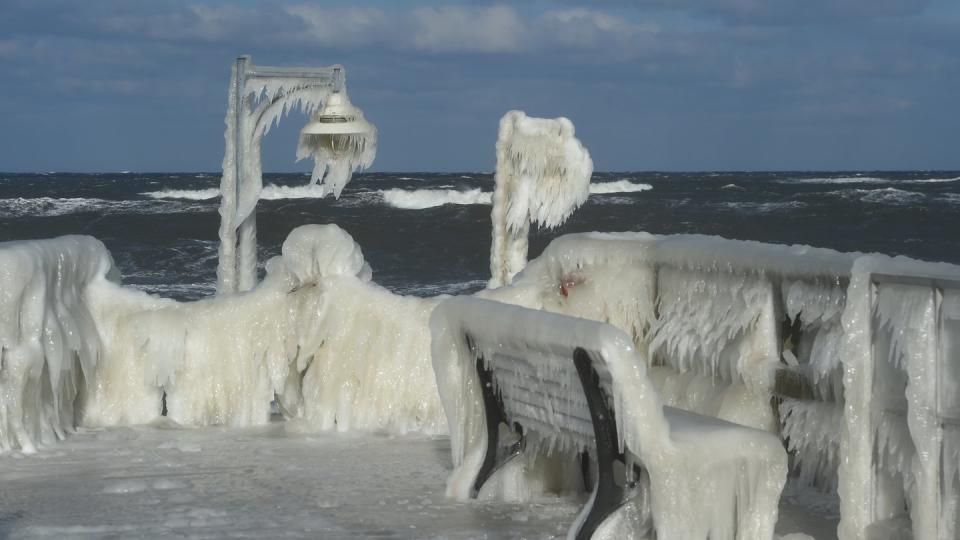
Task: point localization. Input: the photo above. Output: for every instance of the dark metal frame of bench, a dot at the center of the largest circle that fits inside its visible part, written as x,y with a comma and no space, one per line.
609,494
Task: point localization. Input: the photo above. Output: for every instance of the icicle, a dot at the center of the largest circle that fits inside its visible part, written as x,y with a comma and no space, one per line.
543,175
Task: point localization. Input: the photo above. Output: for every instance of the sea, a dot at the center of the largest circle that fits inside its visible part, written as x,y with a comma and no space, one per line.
429,233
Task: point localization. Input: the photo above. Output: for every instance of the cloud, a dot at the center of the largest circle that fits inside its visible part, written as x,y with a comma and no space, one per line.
462,28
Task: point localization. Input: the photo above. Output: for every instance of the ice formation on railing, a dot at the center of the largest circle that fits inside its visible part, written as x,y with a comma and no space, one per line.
49,345
710,309
731,476
336,350
542,176
333,349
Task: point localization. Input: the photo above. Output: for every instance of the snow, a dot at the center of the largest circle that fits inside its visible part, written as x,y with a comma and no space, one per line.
542,176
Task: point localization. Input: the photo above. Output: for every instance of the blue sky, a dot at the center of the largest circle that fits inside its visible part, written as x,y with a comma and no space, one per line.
141,85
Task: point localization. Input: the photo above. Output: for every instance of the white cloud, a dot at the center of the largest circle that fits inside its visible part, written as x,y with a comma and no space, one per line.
342,25
462,28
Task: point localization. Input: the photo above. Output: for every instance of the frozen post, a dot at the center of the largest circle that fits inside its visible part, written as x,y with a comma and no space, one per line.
543,175
338,137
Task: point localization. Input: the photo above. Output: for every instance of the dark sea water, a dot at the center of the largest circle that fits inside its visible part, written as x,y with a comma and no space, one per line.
162,228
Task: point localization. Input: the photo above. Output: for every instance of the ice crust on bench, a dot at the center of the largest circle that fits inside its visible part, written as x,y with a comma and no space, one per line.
708,480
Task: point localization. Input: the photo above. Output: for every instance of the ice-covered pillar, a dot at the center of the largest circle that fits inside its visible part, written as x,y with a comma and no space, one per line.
542,176
856,476
230,181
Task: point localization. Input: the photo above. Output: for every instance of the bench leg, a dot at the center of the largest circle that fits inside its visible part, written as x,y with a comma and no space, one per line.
609,494
495,457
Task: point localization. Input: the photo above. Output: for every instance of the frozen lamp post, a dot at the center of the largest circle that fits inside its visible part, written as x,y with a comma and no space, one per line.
338,138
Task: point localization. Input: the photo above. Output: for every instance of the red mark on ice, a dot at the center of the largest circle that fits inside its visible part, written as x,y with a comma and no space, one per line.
569,281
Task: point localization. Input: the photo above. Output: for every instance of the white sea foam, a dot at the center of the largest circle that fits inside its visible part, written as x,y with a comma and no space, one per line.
761,207
50,206
619,186
188,194
888,195
867,180
418,199
270,192
837,180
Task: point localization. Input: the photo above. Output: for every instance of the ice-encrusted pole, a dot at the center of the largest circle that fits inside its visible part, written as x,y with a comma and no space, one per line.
259,96
542,176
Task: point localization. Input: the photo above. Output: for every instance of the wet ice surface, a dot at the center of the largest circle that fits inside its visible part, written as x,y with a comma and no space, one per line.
267,482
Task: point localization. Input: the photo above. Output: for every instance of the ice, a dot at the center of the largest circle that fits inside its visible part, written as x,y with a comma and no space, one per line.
263,101
733,476
542,176
49,345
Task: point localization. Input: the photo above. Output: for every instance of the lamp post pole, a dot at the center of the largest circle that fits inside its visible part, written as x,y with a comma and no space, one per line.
259,95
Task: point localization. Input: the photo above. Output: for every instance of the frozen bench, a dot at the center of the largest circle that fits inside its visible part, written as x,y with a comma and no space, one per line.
521,386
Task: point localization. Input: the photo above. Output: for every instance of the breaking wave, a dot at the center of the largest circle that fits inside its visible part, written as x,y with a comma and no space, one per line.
419,199
619,186
271,192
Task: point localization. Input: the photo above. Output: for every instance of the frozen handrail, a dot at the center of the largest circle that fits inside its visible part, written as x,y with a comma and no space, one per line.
565,386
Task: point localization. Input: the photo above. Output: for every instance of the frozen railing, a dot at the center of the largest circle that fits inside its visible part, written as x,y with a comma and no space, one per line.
901,440
557,388
732,326
49,344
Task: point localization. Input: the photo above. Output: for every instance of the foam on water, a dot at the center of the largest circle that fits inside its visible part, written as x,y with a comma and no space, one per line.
51,206
419,199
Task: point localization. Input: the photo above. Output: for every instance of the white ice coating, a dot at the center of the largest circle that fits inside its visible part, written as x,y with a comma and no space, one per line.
49,344
715,319
263,102
731,475
542,176
335,350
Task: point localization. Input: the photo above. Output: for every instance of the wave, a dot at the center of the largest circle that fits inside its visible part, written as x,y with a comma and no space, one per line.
837,180
867,180
188,194
419,199
619,186
51,207
761,207
270,192
888,195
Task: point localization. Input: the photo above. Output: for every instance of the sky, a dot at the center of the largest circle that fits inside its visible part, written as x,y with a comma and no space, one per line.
112,85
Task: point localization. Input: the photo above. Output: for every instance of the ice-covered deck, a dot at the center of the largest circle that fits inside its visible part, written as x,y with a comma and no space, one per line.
273,482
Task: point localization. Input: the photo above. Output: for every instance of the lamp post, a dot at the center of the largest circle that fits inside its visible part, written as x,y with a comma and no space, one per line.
338,138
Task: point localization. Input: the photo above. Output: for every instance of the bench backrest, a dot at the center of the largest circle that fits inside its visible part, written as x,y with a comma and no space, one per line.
532,357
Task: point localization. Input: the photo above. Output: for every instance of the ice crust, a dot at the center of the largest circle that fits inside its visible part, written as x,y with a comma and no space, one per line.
542,176
262,104
49,344
714,319
731,475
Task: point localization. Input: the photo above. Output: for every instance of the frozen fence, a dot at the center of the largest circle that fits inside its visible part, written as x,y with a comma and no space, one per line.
730,327
49,344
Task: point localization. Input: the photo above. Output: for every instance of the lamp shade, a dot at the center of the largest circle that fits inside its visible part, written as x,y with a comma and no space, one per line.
337,117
